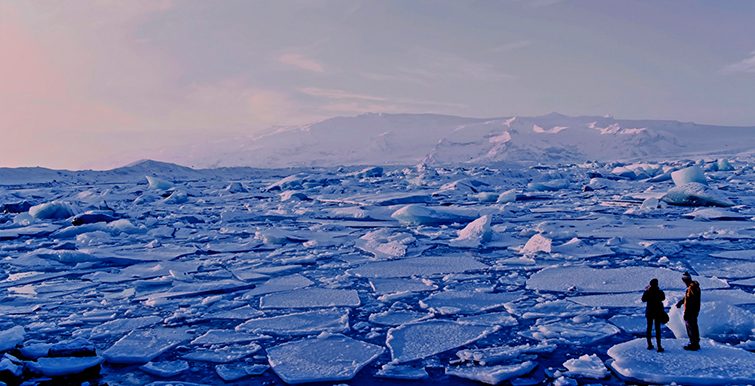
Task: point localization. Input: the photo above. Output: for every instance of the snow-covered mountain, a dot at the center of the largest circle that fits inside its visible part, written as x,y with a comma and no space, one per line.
380,139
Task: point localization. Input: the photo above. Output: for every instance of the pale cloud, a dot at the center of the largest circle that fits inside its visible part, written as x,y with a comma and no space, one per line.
301,62
511,46
745,66
337,94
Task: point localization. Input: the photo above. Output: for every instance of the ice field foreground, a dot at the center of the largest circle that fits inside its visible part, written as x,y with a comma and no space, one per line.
373,276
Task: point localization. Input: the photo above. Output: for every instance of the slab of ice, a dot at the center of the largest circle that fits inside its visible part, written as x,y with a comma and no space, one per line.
422,215
536,243
390,286
11,337
398,317
633,324
325,358
578,248
199,288
223,355
393,371
715,214
384,244
474,234
586,366
568,332
713,364
279,284
627,299
165,369
497,354
175,383
386,199
156,183
122,326
627,279
691,174
420,266
557,308
467,302
230,373
748,254
141,346
56,367
492,375
31,230
53,210
244,312
502,319
717,320
310,298
732,269
421,340
696,194
213,337
507,196
299,323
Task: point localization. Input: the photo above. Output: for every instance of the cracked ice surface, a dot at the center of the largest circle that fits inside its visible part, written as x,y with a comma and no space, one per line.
324,358
423,339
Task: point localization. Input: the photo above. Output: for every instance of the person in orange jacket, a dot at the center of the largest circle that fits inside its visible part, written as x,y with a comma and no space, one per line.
691,303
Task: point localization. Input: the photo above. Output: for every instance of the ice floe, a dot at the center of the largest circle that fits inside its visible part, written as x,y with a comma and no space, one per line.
423,339
713,364
324,358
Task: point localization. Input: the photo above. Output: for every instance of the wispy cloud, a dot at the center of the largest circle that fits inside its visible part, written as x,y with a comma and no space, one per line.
301,62
337,94
511,46
745,66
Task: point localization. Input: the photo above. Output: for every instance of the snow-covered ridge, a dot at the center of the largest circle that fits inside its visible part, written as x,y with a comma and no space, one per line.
406,139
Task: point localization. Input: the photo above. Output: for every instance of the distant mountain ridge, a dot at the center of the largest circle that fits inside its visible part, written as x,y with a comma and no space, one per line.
407,139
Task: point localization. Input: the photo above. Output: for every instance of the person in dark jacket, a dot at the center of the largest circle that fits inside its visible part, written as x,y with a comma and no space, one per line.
654,298
691,303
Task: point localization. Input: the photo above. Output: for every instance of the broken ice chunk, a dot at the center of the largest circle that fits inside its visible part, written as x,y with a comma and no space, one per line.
497,354
586,366
626,279
714,363
392,371
156,183
390,286
213,337
422,215
11,337
230,373
558,308
299,324
311,297
384,244
398,317
474,234
571,332
467,302
121,326
56,367
715,214
502,319
165,369
536,243
141,346
421,340
696,194
223,355
691,174
53,210
420,266
279,284
325,358
492,375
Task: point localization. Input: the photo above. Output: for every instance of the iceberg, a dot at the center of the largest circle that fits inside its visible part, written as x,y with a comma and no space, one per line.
695,194
687,175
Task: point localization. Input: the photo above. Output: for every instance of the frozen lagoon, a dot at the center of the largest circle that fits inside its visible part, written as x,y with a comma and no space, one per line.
232,275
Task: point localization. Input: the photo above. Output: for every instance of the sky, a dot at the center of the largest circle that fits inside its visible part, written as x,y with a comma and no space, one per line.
81,81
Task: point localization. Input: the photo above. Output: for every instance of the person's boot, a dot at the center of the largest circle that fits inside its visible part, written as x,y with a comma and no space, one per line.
692,347
660,349
650,346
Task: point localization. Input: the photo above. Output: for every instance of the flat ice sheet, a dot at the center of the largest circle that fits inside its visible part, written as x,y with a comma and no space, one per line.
325,358
311,298
302,323
421,340
627,279
713,364
467,302
420,266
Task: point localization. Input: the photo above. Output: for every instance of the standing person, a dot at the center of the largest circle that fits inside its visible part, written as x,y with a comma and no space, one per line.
654,298
691,303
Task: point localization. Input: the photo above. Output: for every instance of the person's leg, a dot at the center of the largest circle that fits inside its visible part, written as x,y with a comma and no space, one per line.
694,329
658,334
649,332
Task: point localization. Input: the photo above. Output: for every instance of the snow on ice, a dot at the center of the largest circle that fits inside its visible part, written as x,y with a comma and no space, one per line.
482,271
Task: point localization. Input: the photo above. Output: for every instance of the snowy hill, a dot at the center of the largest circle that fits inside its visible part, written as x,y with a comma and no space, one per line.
406,139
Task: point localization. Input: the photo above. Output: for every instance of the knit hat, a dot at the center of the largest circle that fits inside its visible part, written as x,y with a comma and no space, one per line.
686,276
